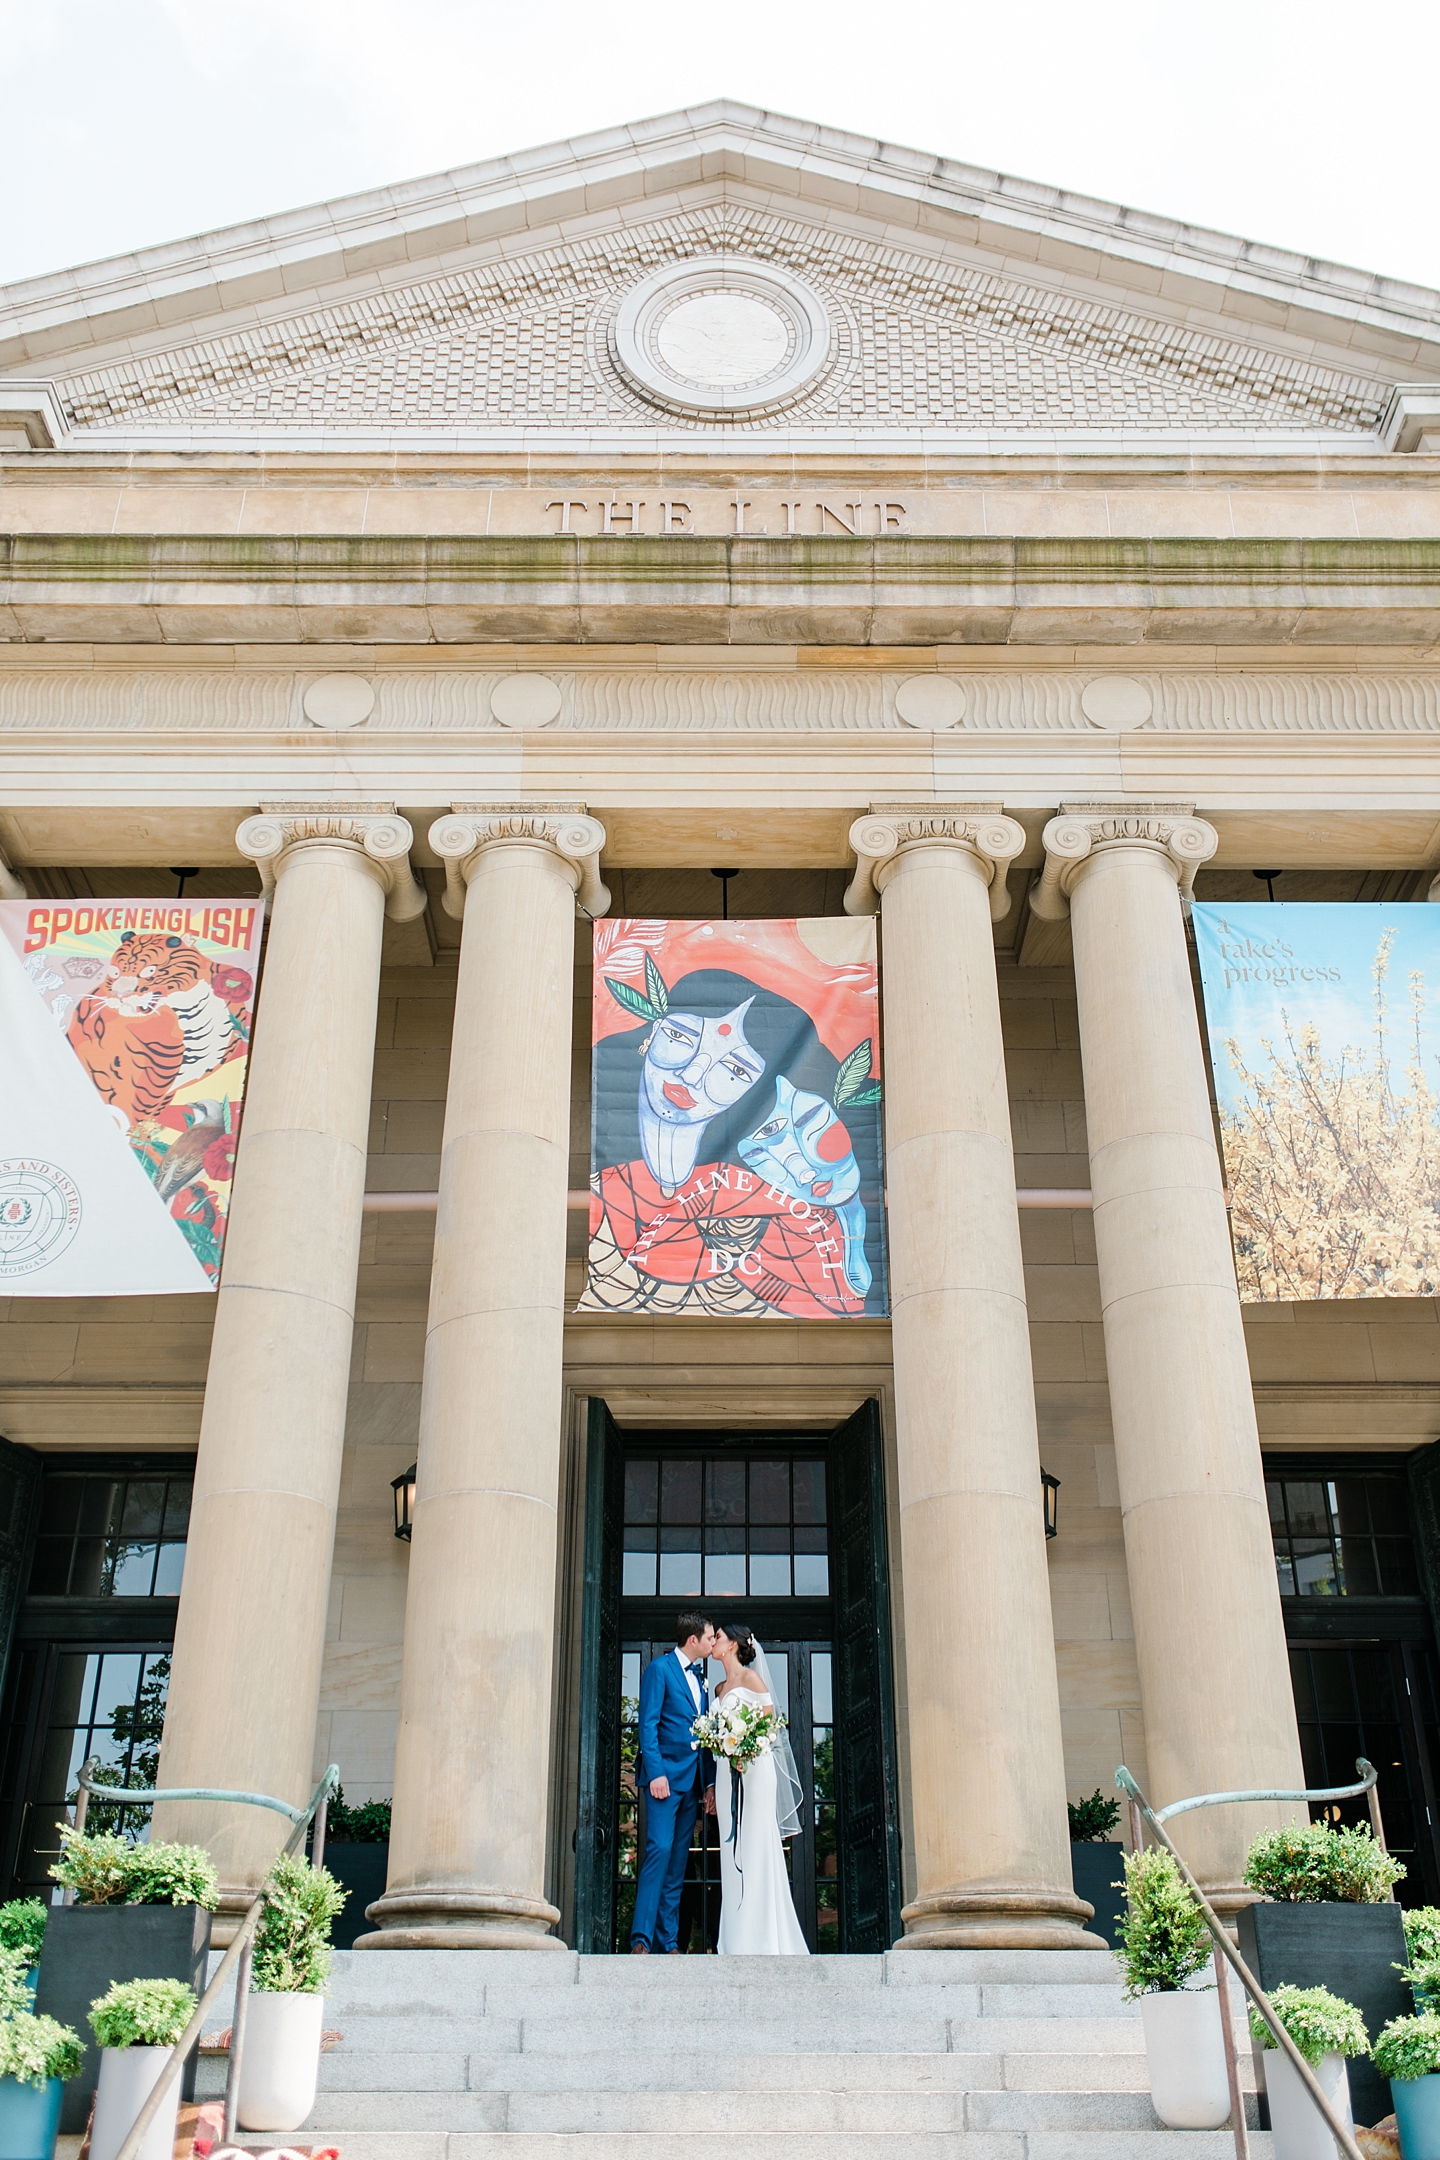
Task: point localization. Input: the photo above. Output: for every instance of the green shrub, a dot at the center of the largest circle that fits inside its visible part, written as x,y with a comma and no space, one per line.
36,2049
16,1993
142,2013
1163,1936
1422,1934
292,1942
1318,2022
1092,1820
1409,2048
1311,1864
22,1927
107,1870
369,1824
171,1875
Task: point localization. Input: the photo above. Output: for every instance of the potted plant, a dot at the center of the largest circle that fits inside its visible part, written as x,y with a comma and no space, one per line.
284,2017
1164,1944
1326,2030
1422,1946
142,1911
357,1853
22,1927
136,2023
1408,2053
1093,1861
36,2057
1329,1923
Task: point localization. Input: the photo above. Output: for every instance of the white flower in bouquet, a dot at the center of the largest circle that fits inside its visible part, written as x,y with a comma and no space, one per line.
742,1732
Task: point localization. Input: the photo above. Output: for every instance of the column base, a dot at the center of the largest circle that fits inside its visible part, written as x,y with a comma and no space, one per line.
429,1918
999,1919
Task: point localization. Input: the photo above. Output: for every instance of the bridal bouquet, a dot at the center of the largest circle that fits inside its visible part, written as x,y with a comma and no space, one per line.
742,1732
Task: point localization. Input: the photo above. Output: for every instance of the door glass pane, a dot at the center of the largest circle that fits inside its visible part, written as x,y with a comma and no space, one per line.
99,1536
680,1492
770,1492
827,1860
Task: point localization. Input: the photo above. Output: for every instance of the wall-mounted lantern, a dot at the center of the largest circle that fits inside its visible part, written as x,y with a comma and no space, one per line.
403,1488
1049,1486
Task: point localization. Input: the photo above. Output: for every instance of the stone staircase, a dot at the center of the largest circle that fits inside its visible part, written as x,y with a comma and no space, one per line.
984,2055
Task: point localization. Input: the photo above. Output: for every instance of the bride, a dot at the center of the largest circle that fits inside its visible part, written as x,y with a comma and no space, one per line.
757,1913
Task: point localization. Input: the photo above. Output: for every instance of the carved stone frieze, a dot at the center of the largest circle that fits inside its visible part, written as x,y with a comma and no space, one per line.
1083,830
379,835
575,837
882,837
773,700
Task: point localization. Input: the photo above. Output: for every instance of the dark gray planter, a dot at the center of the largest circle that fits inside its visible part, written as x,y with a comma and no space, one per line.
1350,1949
1093,1869
89,1947
360,1869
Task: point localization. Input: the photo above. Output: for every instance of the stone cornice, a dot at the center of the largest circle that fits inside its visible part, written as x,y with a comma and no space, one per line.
982,829
566,589
1081,830
380,837
840,176
471,827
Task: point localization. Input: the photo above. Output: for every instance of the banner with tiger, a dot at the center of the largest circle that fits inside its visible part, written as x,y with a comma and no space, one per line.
125,1027
736,1160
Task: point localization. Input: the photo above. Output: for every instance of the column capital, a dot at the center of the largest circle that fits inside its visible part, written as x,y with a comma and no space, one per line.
381,838
575,837
1084,830
892,829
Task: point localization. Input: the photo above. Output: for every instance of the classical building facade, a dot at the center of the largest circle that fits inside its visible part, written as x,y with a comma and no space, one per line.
458,564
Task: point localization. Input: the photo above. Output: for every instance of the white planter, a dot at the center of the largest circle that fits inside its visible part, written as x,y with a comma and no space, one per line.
126,2078
1298,2125
1185,2056
280,2061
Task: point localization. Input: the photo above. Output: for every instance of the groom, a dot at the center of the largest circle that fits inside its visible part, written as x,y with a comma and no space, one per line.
672,1696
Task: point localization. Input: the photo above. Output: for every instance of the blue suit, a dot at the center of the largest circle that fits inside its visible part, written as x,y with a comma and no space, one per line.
667,1711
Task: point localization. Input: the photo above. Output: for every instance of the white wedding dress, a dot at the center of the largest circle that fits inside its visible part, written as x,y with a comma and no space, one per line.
757,1912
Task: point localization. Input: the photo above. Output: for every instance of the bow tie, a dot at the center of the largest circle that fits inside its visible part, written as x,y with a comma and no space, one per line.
699,1672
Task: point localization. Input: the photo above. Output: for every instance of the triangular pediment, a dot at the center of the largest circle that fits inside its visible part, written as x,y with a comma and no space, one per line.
950,307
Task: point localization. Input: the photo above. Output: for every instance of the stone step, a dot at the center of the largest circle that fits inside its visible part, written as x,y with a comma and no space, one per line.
363,1976
774,2110
707,2140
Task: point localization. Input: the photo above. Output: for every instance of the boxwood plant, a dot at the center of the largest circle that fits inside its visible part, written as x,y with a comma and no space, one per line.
36,2049
1092,1820
108,1870
1318,2022
1311,1864
1409,2048
22,1927
292,1942
1163,1937
142,2013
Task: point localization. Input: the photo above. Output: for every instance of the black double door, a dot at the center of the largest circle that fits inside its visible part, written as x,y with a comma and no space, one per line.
784,1531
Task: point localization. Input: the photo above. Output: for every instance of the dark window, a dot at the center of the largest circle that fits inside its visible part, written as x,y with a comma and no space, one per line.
725,1528
103,1537
1342,1537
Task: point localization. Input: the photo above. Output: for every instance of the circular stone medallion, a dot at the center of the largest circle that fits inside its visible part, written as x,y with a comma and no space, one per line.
720,337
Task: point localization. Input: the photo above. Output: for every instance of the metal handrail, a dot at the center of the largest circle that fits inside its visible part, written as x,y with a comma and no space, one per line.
1344,2138
237,1955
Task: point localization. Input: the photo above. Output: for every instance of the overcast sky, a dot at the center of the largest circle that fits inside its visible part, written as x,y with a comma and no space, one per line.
1311,127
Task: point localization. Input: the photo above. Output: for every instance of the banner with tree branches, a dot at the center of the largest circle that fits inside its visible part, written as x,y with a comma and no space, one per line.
1325,1046
735,1127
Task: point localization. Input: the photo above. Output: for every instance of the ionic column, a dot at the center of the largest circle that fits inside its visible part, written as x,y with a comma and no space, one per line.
991,1841
1214,1677
245,1678
468,1842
